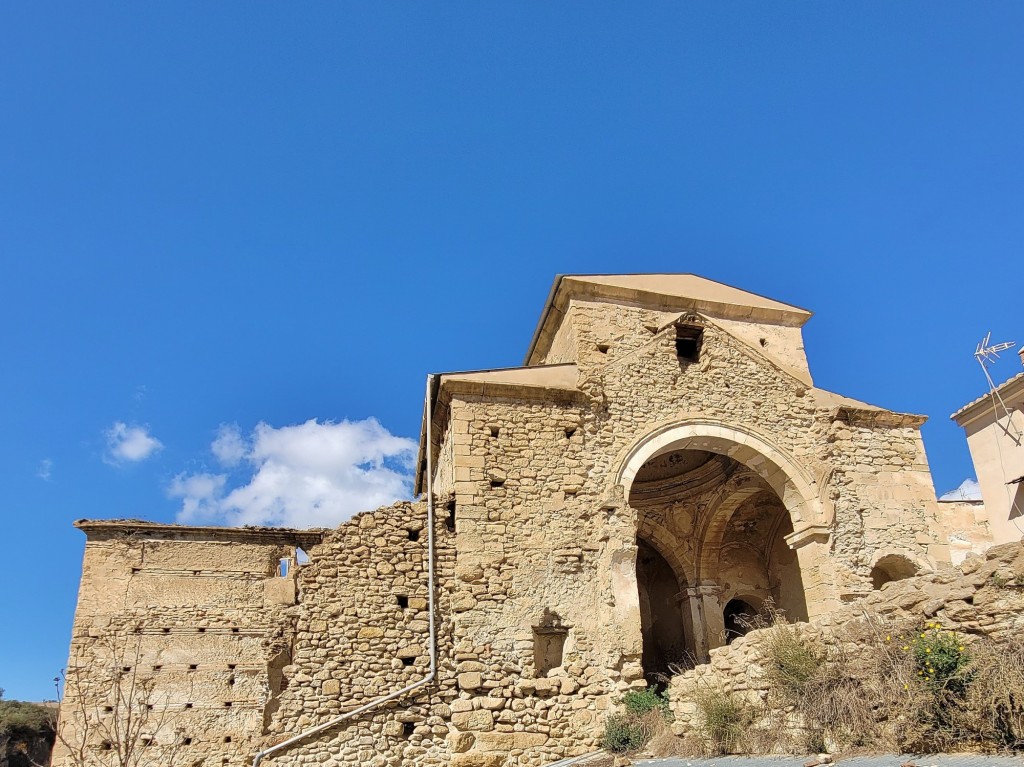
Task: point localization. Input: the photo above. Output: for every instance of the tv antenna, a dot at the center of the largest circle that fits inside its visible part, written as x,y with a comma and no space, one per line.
986,354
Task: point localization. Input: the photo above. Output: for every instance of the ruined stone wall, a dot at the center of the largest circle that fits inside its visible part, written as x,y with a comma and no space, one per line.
985,595
185,630
884,500
362,631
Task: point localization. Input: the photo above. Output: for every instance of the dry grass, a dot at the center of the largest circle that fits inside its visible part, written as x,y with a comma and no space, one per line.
881,687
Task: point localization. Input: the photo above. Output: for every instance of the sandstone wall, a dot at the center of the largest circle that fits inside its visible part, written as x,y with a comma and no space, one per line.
185,625
361,632
984,596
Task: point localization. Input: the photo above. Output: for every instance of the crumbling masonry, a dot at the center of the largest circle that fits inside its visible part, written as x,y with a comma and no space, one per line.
661,463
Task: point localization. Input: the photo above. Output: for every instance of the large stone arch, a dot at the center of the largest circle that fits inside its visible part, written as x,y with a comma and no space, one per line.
810,514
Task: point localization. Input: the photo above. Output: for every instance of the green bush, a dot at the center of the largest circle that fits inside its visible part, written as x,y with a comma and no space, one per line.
640,702
23,720
941,658
625,733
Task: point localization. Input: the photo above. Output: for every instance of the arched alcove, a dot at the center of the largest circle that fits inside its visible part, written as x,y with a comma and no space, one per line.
892,567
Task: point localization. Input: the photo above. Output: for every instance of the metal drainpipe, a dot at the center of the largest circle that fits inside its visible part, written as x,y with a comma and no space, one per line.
431,609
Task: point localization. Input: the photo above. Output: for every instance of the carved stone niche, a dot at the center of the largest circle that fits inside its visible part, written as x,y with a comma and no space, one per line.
549,642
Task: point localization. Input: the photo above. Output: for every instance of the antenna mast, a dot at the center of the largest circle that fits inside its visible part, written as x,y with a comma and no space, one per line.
986,354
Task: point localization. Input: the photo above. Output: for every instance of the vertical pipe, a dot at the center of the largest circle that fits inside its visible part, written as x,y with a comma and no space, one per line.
431,586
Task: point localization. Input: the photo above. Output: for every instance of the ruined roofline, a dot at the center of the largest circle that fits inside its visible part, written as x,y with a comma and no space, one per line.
983,404
666,292
106,528
528,382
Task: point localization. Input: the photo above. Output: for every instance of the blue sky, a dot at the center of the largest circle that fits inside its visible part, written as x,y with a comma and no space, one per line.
230,233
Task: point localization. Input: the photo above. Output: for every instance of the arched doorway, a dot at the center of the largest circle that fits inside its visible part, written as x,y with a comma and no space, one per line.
730,522
667,637
738,615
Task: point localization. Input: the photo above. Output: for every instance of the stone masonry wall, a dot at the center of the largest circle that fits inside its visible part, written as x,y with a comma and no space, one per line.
985,595
362,632
184,628
544,545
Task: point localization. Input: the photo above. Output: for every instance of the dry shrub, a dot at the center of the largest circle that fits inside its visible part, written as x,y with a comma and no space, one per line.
994,702
725,720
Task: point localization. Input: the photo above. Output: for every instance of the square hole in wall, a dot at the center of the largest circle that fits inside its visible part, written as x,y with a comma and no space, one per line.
449,521
603,348
414,535
186,741
403,601
689,339
495,431
193,666
408,728
496,483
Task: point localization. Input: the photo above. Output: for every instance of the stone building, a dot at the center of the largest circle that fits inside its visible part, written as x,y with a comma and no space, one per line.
661,463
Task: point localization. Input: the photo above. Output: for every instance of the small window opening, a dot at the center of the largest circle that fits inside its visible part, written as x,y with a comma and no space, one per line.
449,522
408,661
227,704
232,666
688,342
763,342
136,570
301,557
496,483
189,705
227,738
202,629
107,745
569,433
235,630
408,728
282,568
149,707
495,431
166,631
414,535
403,601
157,668
186,741
193,666
126,669
108,709
603,348
231,681
570,493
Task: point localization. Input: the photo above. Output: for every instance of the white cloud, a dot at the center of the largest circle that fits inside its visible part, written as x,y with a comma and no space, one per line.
229,446
968,491
45,469
306,475
130,443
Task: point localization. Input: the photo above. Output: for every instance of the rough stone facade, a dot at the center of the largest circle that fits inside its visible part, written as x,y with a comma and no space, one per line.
984,596
662,462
